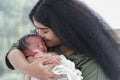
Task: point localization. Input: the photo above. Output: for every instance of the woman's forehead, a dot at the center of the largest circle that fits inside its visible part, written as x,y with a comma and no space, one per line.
39,25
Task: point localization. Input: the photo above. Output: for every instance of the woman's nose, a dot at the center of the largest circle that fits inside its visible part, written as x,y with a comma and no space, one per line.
41,34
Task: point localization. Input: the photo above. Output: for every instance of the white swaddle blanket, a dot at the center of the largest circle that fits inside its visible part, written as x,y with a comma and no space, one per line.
66,67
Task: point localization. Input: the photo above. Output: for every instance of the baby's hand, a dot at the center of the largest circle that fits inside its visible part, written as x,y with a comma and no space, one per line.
52,60
30,59
38,55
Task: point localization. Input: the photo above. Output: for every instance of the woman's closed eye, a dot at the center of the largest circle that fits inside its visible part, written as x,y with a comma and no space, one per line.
46,32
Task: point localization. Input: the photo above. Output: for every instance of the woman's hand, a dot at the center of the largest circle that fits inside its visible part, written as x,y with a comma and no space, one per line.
36,69
27,77
45,70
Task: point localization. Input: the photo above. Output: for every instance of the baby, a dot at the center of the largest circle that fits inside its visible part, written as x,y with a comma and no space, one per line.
33,47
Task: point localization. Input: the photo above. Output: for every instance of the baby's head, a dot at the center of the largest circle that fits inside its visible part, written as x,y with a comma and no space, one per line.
30,44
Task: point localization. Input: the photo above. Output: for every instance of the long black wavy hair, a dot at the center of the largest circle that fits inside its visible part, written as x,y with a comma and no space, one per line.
80,28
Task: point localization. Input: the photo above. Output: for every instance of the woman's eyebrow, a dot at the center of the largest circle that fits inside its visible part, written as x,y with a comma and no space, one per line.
41,28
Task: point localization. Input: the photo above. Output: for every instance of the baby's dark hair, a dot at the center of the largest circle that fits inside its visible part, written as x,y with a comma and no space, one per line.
22,41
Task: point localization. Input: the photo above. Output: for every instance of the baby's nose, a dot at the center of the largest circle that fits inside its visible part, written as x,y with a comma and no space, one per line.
41,46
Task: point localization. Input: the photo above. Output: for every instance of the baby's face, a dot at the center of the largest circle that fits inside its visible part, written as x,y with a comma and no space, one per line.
35,44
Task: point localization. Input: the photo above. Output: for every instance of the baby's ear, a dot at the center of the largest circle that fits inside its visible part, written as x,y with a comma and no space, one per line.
26,53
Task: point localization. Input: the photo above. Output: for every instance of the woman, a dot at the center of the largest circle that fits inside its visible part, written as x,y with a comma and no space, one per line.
69,27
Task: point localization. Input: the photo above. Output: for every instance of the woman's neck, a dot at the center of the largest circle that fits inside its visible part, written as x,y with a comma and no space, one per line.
66,50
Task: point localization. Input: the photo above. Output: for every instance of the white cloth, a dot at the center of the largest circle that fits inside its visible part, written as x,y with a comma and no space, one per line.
66,67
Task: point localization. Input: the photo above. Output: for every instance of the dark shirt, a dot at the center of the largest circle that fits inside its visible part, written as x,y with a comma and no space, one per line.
85,63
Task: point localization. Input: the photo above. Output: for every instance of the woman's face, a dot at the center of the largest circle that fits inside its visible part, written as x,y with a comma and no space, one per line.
47,34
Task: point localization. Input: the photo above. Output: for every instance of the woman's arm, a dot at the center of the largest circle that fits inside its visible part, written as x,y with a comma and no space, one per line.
36,68
16,57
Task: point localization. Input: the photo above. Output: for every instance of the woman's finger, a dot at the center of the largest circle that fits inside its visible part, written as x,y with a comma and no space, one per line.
57,76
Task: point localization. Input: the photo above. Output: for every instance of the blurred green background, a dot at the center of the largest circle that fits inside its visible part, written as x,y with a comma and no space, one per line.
14,23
